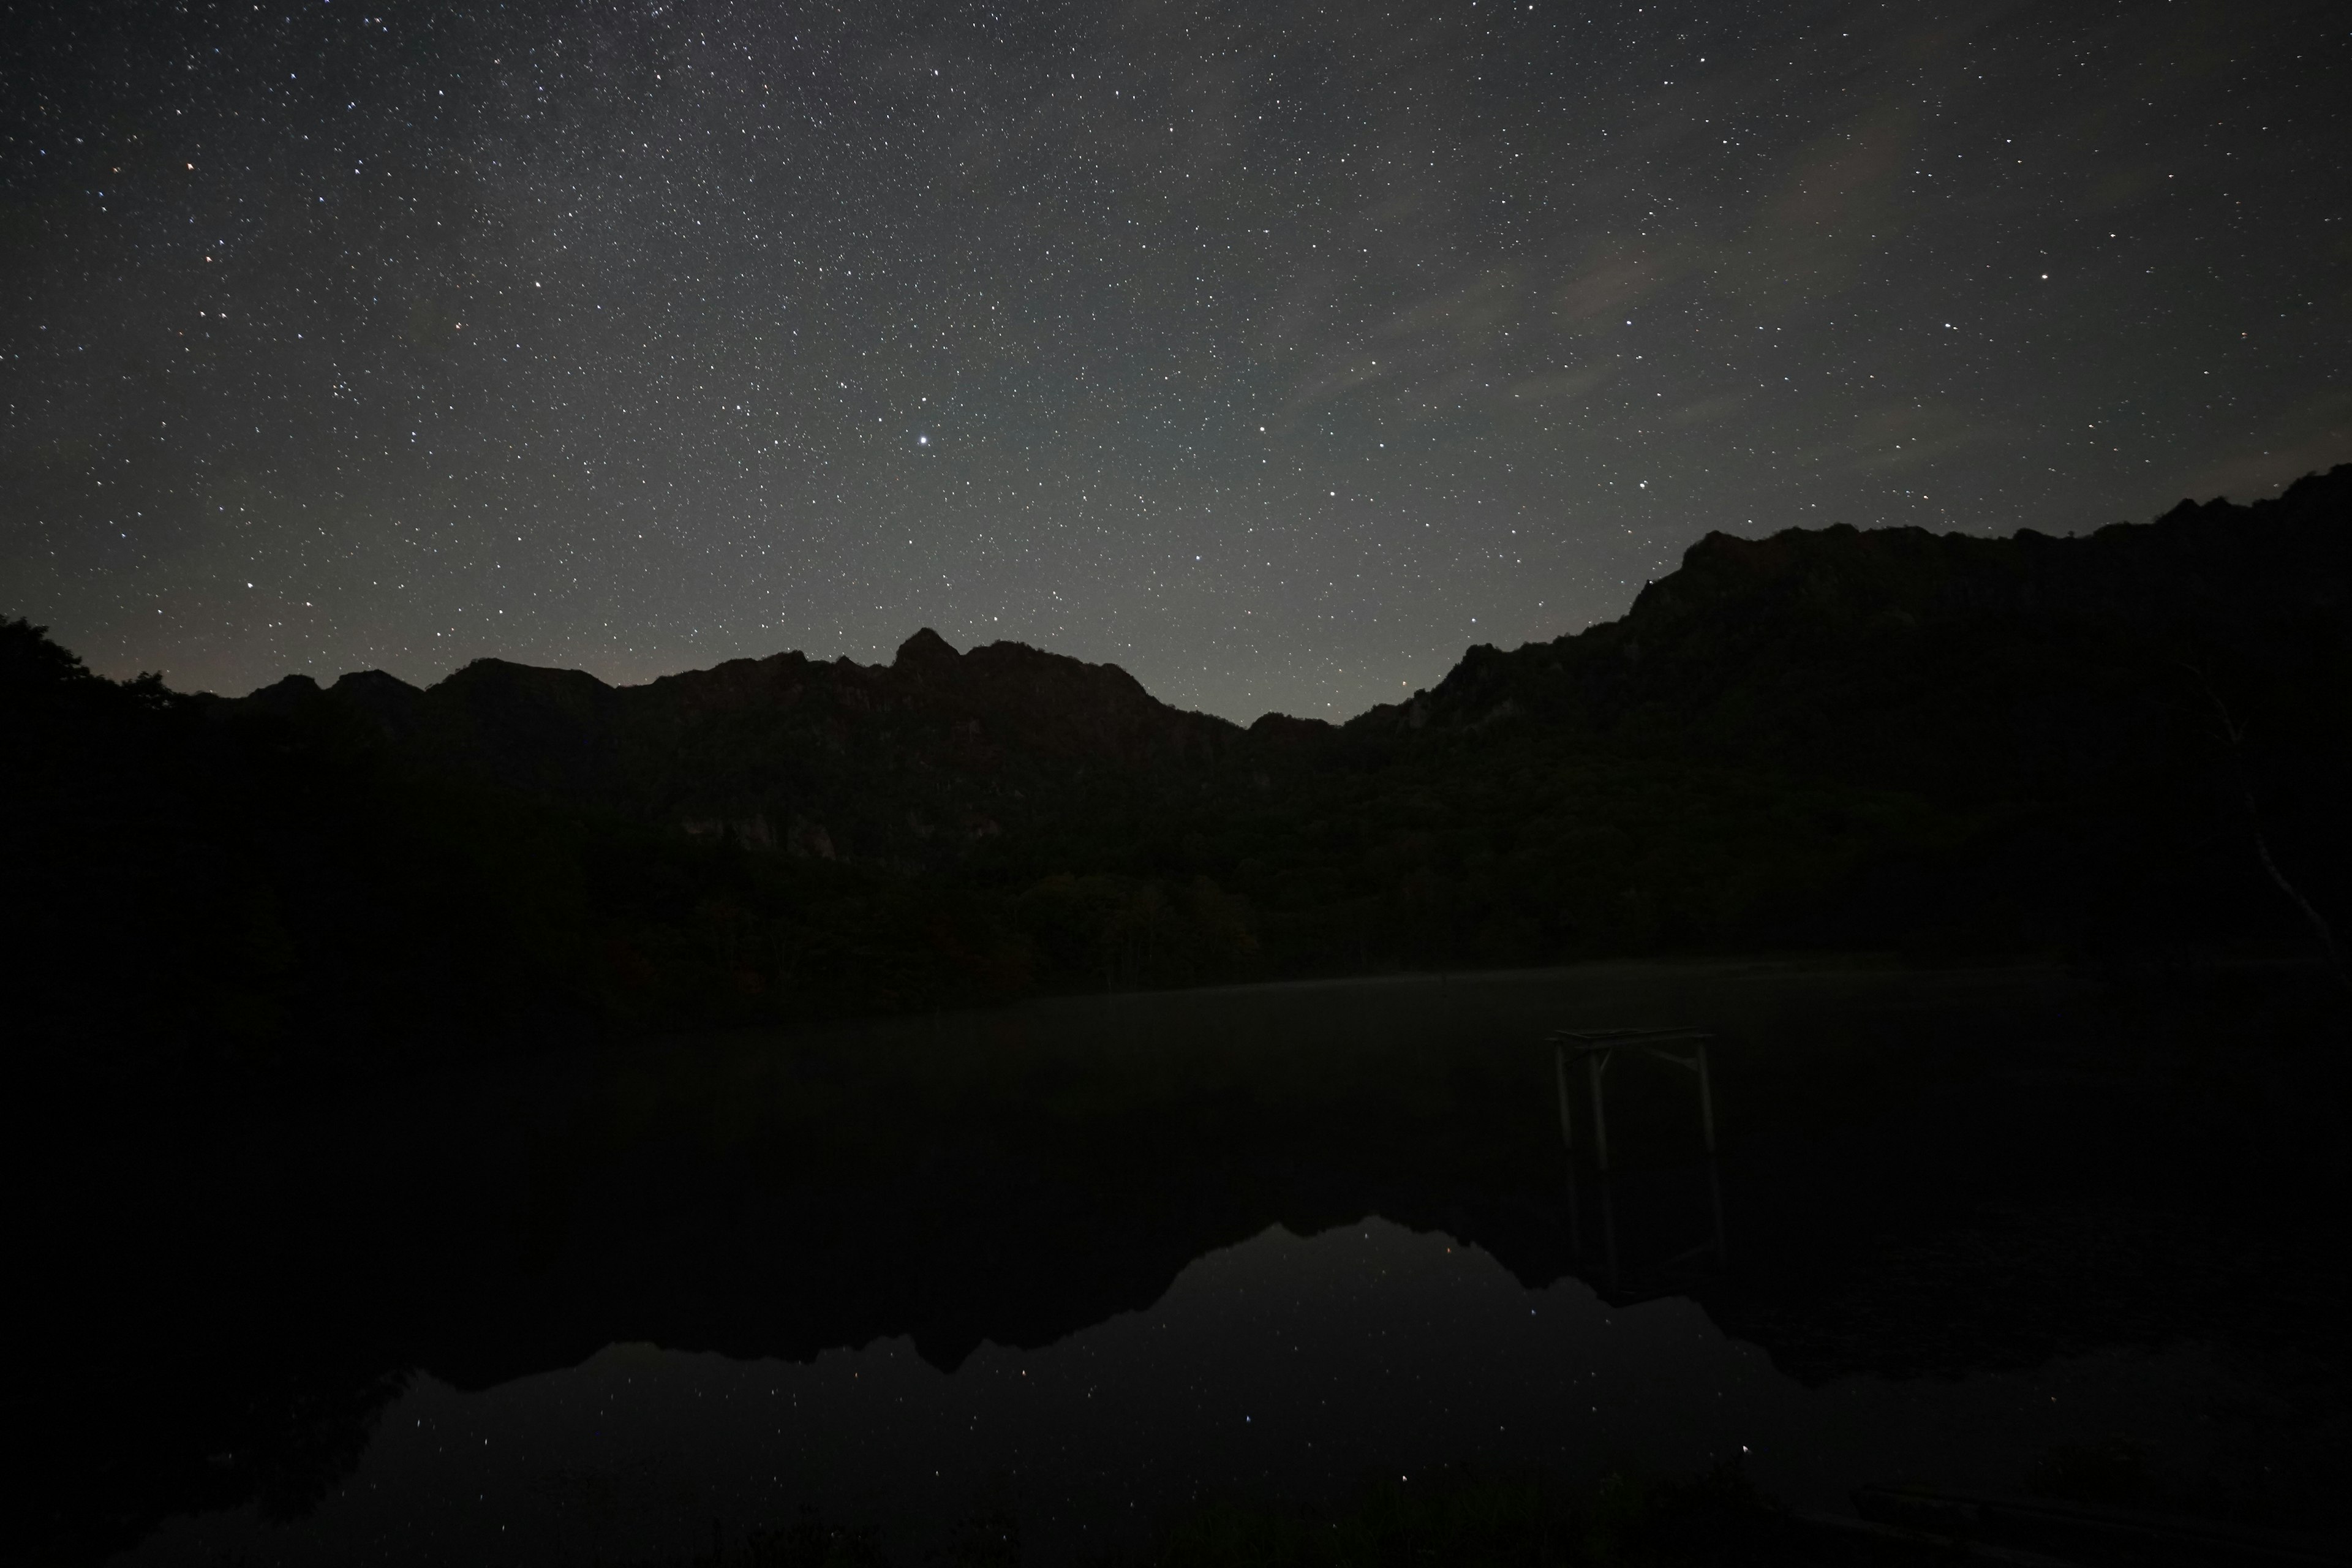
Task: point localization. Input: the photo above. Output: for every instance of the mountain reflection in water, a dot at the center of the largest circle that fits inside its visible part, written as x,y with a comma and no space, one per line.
1079,1263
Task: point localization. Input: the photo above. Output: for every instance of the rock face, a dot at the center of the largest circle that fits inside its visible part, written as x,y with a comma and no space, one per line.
907,763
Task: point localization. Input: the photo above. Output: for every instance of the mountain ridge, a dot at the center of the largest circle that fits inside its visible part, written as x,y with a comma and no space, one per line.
784,751
2119,748
2198,560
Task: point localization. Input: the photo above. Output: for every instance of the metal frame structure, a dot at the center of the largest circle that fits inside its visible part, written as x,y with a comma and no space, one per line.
1596,1048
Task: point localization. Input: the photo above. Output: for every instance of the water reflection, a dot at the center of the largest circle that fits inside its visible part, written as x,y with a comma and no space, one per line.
1289,1367
1703,1261
1285,1364
1080,1260
1591,1052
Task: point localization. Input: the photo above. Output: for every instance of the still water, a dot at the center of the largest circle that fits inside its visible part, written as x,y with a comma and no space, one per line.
1079,1264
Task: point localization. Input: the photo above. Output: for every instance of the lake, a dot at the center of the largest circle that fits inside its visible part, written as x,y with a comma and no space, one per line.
1068,1271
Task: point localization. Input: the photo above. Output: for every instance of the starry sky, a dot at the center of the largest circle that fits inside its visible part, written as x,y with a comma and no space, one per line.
1274,350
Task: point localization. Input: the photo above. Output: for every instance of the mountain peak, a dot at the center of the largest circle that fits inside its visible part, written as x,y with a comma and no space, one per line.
926,647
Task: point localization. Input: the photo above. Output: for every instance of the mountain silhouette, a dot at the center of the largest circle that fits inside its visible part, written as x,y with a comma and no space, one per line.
1834,650
905,764
2124,748
1774,647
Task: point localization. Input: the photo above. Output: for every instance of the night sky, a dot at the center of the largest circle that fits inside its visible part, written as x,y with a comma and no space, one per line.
1275,351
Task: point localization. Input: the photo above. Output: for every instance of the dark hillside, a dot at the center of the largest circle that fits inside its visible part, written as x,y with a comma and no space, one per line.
1770,649
2126,748
906,765
2031,736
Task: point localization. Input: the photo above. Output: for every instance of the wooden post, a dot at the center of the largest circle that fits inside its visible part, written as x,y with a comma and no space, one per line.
1559,1079
1594,1062
1705,1100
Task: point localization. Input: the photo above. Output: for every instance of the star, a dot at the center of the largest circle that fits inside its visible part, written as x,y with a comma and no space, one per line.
1102,302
